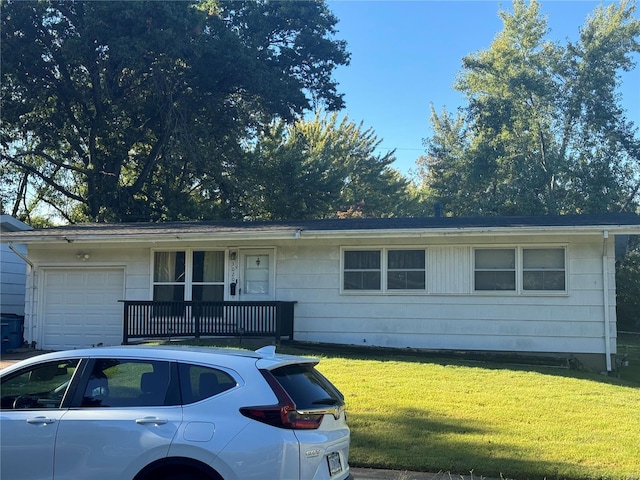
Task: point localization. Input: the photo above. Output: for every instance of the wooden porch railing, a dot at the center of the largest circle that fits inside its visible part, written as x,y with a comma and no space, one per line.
149,319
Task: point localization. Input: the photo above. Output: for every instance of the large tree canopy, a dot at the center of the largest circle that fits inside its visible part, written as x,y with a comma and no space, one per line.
543,132
141,110
321,168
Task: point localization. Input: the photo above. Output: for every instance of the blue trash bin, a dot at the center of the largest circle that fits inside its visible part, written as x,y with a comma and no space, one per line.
12,327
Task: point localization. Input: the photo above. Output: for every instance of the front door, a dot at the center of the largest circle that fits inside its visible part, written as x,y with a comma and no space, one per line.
256,282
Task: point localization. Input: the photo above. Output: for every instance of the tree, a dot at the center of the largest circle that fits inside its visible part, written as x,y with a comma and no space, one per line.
543,132
119,110
322,168
628,288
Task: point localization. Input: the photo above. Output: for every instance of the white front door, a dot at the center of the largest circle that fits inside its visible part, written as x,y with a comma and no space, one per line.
256,282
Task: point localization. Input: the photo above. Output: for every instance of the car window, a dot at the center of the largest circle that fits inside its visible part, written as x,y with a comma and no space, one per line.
40,386
307,387
131,383
198,382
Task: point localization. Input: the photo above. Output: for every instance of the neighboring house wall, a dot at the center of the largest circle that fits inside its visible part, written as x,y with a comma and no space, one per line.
13,270
448,315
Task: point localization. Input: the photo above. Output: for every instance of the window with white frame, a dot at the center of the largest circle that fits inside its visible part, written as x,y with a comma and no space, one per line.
362,270
543,269
406,269
521,269
495,269
194,275
402,270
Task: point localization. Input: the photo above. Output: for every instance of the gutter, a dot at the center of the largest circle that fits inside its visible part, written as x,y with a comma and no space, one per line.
302,234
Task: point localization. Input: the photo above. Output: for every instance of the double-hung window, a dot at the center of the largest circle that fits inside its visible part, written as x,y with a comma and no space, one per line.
495,269
391,270
543,269
362,270
406,269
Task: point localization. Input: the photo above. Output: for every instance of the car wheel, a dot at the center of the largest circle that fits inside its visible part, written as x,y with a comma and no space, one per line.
184,472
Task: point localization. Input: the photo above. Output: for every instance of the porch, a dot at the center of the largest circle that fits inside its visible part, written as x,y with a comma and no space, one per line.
149,319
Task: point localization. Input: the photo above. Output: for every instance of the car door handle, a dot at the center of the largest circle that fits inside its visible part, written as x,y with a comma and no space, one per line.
151,421
40,420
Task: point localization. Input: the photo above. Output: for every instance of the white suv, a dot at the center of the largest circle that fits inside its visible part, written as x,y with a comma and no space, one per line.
170,412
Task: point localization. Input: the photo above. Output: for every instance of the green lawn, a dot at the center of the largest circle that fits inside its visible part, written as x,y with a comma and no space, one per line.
416,412
494,421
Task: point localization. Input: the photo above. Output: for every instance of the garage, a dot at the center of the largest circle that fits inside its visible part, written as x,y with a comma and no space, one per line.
81,307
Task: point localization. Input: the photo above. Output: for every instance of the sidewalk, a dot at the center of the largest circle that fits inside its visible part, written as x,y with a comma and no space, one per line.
17,354
376,474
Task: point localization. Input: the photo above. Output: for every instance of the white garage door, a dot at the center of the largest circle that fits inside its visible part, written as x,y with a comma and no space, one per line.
81,307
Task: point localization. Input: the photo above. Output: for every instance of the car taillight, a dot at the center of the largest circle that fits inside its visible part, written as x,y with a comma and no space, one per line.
284,414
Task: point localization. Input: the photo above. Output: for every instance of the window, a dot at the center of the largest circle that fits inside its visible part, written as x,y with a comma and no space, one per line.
543,269
362,270
168,276
402,270
406,269
198,383
39,387
536,269
208,276
172,281
495,269
131,383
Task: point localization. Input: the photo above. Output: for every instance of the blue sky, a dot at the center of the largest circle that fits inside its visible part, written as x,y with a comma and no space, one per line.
405,56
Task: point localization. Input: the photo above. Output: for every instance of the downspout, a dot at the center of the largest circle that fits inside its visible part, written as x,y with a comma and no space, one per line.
19,253
607,316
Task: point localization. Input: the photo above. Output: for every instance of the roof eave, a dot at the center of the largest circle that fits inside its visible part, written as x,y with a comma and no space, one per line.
295,234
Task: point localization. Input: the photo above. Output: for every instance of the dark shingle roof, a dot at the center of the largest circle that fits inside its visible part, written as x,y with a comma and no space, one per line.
185,229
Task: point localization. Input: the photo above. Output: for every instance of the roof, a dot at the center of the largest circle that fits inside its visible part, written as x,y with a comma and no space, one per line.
10,224
616,223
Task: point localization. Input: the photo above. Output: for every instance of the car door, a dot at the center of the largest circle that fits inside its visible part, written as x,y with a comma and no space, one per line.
123,417
32,404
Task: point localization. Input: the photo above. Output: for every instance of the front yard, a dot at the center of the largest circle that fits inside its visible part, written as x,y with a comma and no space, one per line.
412,411
495,420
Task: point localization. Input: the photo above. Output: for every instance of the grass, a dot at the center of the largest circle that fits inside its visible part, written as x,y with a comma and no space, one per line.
415,412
